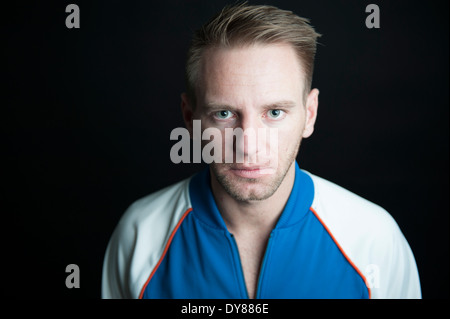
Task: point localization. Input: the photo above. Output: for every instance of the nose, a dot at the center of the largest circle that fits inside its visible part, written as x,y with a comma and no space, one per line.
247,138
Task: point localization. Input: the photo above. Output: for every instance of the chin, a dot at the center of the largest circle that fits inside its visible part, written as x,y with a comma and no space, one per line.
243,188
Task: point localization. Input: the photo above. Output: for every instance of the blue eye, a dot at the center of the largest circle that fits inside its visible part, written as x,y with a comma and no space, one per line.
223,115
275,114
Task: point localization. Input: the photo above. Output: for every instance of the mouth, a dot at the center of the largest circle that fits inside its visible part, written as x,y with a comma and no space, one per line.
252,171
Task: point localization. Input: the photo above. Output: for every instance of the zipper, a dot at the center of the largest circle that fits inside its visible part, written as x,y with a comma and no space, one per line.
236,257
263,266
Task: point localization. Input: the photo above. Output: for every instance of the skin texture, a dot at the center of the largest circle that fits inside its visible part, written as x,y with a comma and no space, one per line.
253,87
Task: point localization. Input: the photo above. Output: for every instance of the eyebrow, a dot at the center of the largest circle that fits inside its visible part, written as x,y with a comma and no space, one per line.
211,106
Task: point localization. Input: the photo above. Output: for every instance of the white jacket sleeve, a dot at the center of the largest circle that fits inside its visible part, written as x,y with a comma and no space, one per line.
397,271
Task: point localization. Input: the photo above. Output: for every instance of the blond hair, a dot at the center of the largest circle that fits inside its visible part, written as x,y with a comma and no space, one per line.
243,24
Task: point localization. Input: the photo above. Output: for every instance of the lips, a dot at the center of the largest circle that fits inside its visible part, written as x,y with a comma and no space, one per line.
251,171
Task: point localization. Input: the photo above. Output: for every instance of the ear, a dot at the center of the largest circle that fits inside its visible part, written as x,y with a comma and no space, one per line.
188,113
312,104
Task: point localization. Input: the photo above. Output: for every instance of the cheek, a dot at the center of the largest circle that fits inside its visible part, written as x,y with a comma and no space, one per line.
290,136
285,146
294,127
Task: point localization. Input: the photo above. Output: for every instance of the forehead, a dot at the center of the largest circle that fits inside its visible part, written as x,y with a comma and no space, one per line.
256,74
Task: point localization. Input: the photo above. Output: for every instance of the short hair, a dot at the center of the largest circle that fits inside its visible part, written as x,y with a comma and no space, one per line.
242,25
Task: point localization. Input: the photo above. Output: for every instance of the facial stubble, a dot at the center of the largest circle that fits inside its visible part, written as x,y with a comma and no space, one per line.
233,184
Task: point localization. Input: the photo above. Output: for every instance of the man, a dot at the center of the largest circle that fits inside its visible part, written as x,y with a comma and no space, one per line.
261,228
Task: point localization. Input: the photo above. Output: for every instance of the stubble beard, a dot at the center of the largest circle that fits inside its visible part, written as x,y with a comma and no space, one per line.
234,185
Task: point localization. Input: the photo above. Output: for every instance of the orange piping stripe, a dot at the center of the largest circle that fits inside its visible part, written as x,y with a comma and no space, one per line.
165,251
340,248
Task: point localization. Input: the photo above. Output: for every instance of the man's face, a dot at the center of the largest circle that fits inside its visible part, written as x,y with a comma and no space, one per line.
253,88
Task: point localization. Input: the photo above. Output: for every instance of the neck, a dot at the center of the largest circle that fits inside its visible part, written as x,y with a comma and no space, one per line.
262,215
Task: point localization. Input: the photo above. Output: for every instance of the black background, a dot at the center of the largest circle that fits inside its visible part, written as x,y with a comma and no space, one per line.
88,112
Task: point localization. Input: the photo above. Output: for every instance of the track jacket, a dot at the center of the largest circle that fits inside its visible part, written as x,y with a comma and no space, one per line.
327,243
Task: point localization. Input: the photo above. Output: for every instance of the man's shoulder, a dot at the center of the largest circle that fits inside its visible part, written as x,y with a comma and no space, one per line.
335,202
163,203
370,239
139,239
361,227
